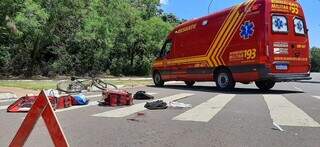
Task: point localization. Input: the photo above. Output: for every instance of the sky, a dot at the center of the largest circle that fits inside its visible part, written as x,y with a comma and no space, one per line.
189,9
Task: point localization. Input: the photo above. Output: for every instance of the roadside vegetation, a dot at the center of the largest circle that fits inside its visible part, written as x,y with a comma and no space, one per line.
52,84
80,37
34,85
315,59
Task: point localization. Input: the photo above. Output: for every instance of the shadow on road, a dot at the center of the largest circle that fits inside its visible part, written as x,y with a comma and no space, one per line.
310,82
234,91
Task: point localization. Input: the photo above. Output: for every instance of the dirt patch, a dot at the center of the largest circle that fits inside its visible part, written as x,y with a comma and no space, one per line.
18,91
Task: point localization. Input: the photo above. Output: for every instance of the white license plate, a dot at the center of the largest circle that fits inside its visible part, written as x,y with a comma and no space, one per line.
281,67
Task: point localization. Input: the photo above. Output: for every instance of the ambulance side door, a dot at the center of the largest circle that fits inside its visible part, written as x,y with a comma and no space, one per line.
167,54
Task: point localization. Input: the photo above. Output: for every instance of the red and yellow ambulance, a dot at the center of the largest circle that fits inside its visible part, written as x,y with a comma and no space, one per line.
261,41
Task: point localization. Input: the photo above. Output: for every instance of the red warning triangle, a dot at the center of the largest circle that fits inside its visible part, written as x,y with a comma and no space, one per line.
42,107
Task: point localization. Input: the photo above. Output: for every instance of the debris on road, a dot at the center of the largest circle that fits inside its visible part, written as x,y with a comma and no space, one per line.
25,103
116,98
140,114
156,105
52,92
133,119
277,127
178,105
80,100
142,95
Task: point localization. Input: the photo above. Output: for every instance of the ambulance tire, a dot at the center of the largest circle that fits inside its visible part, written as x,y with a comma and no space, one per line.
157,80
224,80
189,83
265,85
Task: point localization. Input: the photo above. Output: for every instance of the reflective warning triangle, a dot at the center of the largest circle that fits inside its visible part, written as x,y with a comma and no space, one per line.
42,107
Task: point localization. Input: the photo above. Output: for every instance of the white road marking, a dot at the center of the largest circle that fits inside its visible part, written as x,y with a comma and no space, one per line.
126,111
4,107
5,96
93,96
8,100
77,107
317,97
152,93
174,82
297,88
207,110
283,112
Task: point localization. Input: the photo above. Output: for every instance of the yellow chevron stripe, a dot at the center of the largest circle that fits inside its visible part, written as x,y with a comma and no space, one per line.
213,48
225,37
218,37
226,34
220,55
222,29
229,34
220,41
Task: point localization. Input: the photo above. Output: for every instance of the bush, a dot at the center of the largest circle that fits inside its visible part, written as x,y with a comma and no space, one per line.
116,67
143,68
315,59
4,59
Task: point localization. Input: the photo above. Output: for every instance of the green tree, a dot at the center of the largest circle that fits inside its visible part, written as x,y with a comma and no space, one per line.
79,37
315,59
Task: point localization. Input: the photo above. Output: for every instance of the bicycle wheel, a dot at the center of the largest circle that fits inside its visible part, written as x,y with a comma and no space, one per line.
70,86
104,85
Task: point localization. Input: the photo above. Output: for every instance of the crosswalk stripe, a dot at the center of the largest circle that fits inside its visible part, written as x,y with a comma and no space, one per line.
283,112
4,107
207,110
317,97
152,93
126,111
77,107
94,96
8,100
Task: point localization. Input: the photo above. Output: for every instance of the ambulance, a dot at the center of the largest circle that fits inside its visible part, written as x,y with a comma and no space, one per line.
261,41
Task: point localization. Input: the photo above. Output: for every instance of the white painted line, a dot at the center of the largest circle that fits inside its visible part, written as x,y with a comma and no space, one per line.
5,96
4,107
207,110
285,113
297,88
126,111
152,93
8,100
317,97
174,82
78,107
93,96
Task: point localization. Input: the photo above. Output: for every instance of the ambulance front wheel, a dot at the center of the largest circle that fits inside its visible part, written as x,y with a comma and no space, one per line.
224,80
157,79
265,85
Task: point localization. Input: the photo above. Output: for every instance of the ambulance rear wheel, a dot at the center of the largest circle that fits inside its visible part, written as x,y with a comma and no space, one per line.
157,80
224,80
265,85
189,83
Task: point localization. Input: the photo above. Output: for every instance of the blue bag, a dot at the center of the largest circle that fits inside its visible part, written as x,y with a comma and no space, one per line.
81,100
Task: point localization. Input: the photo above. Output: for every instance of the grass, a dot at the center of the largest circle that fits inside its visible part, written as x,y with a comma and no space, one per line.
130,82
47,84
34,85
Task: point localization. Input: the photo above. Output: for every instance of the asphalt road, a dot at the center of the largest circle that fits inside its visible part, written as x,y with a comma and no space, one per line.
244,117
